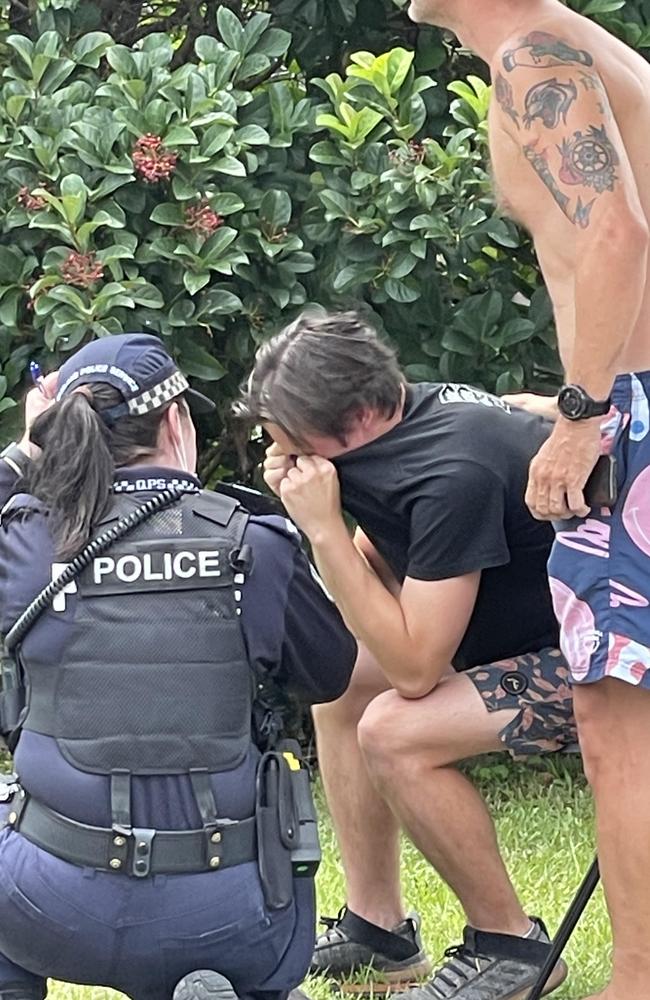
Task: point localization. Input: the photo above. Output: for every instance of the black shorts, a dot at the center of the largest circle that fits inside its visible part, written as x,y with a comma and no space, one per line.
537,684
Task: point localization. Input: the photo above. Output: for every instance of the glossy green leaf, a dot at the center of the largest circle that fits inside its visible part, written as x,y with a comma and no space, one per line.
195,281
168,214
196,361
230,29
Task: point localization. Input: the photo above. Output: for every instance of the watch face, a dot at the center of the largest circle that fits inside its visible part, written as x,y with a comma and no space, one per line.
572,402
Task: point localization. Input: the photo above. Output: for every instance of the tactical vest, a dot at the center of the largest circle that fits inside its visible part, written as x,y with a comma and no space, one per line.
154,675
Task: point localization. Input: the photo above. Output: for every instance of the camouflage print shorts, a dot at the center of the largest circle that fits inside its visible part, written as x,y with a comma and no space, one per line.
538,685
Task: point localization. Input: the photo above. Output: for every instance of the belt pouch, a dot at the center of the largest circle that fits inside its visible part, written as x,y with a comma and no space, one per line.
305,846
273,857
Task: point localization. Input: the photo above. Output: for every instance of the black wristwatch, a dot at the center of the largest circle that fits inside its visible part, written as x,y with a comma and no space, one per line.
576,404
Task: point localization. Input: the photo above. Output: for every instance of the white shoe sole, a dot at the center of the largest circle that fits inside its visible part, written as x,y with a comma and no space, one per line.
373,988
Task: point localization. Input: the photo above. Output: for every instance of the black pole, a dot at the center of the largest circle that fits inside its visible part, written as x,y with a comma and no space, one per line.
566,928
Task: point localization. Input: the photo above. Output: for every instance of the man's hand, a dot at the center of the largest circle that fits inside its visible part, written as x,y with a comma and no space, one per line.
311,494
37,402
560,470
542,406
276,467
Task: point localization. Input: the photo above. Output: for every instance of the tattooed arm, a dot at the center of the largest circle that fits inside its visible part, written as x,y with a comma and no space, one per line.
553,104
587,216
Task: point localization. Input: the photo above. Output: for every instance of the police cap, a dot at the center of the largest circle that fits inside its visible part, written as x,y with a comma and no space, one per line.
138,366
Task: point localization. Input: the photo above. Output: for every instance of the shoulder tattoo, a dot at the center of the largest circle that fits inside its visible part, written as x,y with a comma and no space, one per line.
549,102
539,49
538,160
505,98
590,82
589,159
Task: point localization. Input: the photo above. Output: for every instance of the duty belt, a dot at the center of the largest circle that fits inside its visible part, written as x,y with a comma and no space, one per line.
137,852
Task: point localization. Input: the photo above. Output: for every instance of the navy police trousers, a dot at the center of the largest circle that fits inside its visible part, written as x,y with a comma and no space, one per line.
140,936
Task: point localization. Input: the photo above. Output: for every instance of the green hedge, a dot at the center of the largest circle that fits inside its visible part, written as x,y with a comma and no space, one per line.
204,183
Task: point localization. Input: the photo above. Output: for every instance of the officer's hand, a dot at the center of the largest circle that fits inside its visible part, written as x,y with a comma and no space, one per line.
276,467
37,402
312,496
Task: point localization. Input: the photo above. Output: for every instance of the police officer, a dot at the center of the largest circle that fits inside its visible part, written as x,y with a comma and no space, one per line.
154,830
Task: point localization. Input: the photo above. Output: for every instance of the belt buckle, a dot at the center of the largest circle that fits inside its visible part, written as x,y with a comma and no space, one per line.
142,847
139,840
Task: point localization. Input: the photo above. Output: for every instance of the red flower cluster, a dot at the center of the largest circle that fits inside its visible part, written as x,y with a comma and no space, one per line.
151,161
81,269
30,202
200,218
413,153
417,150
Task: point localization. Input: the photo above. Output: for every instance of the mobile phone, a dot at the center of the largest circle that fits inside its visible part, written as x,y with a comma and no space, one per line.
601,489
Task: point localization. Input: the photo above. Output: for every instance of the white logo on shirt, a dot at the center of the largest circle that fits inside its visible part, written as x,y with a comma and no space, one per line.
454,392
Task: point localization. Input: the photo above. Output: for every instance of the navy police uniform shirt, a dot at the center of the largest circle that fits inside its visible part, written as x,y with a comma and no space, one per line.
291,628
441,495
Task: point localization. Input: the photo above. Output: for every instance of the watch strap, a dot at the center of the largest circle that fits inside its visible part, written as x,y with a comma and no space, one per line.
600,407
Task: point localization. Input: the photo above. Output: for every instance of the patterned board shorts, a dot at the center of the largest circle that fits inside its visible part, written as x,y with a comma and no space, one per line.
537,684
600,565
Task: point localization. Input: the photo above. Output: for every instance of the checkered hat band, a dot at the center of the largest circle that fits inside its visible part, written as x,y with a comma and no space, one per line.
158,395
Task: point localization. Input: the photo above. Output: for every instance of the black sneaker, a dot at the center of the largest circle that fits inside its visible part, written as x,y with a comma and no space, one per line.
491,967
351,944
204,984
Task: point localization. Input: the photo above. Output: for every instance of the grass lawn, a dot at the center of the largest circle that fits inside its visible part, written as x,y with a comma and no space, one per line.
544,817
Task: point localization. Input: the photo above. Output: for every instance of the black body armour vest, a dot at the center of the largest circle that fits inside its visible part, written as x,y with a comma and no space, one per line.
154,676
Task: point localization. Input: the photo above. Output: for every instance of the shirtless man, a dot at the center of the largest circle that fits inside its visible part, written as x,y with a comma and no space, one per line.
569,128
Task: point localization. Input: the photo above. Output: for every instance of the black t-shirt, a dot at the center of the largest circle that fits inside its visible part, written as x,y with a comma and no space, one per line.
442,495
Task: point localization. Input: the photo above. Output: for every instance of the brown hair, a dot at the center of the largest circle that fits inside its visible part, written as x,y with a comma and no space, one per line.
318,374
79,453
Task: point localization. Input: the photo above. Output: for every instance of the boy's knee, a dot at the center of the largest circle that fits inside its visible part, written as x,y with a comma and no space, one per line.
381,737
391,740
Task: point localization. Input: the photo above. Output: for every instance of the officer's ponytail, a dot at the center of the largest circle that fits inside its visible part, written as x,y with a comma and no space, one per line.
79,453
